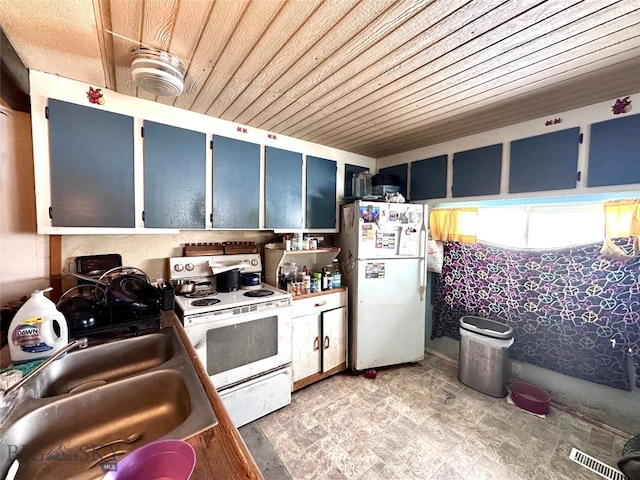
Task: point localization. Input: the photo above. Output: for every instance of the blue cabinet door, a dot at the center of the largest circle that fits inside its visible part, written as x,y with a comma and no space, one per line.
349,172
477,171
283,189
91,167
174,177
614,152
321,193
401,171
429,178
544,162
236,183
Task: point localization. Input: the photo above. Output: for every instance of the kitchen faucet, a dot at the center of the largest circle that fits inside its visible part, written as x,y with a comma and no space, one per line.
80,343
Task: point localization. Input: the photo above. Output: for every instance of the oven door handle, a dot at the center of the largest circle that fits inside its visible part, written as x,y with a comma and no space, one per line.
316,344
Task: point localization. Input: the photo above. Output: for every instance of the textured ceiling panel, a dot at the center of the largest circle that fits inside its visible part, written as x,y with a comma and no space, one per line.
375,77
55,36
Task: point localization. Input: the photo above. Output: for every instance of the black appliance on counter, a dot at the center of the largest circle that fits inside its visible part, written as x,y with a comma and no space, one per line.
113,301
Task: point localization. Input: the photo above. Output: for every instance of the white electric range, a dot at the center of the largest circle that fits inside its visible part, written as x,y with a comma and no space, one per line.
242,337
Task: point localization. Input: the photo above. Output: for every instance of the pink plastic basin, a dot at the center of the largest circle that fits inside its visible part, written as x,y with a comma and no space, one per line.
530,398
161,460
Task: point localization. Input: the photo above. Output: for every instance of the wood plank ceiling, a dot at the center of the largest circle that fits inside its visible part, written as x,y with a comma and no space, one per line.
375,77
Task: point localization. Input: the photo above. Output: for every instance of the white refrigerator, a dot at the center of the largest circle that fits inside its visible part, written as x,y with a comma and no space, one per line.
383,263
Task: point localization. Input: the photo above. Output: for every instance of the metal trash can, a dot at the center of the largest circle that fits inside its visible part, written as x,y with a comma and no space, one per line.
484,358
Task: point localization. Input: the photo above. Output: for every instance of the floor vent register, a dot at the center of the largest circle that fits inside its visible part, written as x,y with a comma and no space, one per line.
595,465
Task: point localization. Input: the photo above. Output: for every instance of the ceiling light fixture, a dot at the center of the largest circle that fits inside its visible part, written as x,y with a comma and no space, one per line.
157,71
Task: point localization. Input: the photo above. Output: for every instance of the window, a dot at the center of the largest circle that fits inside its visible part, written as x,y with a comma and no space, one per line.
552,227
542,226
503,226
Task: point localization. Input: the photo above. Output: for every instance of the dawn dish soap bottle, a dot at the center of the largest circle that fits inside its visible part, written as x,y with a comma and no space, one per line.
37,331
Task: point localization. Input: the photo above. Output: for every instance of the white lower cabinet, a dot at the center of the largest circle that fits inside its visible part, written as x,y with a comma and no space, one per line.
319,337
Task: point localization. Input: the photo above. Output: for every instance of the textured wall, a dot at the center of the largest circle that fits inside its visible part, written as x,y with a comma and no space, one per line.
24,255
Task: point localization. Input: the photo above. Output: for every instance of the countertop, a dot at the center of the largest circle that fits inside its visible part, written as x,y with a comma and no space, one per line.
220,451
320,293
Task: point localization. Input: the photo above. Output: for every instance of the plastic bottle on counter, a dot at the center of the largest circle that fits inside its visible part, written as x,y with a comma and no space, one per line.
306,284
316,281
336,276
287,242
294,272
327,280
38,330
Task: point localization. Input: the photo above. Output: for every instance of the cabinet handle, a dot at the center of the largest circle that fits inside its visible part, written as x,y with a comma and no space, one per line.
316,344
326,342
321,304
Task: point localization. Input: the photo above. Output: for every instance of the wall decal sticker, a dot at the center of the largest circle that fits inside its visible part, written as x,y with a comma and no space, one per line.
621,106
95,96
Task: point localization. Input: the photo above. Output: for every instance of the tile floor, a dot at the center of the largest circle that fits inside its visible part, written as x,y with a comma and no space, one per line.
418,422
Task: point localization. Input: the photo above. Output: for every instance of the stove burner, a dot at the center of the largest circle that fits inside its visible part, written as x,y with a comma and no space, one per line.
205,302
258,293
201,293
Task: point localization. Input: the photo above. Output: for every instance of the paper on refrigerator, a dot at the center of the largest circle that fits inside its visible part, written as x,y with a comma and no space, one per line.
410,222
409,241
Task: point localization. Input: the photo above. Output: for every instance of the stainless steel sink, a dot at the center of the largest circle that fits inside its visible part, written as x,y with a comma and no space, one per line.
104,393
105,363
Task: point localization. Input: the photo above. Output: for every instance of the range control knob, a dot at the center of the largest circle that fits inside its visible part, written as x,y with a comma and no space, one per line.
254,262
189,267
178,267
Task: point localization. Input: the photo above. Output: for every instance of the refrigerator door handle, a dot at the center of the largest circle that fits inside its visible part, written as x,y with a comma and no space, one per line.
422,270
423,287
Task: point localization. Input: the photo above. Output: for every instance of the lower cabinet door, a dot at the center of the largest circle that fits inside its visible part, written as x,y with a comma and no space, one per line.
334,336
306,346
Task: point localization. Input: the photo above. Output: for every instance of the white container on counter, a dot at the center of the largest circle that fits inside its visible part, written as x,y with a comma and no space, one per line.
37,331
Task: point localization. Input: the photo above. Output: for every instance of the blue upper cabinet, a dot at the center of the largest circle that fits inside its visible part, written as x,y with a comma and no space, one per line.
429,178
349,172
283,189
401,171
236,183
614,152
477,172
321,193
545,162
91,167
174,177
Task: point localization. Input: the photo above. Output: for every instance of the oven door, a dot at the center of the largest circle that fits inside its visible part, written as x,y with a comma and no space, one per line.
236,348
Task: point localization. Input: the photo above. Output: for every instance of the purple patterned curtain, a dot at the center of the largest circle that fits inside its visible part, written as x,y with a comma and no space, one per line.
572,310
